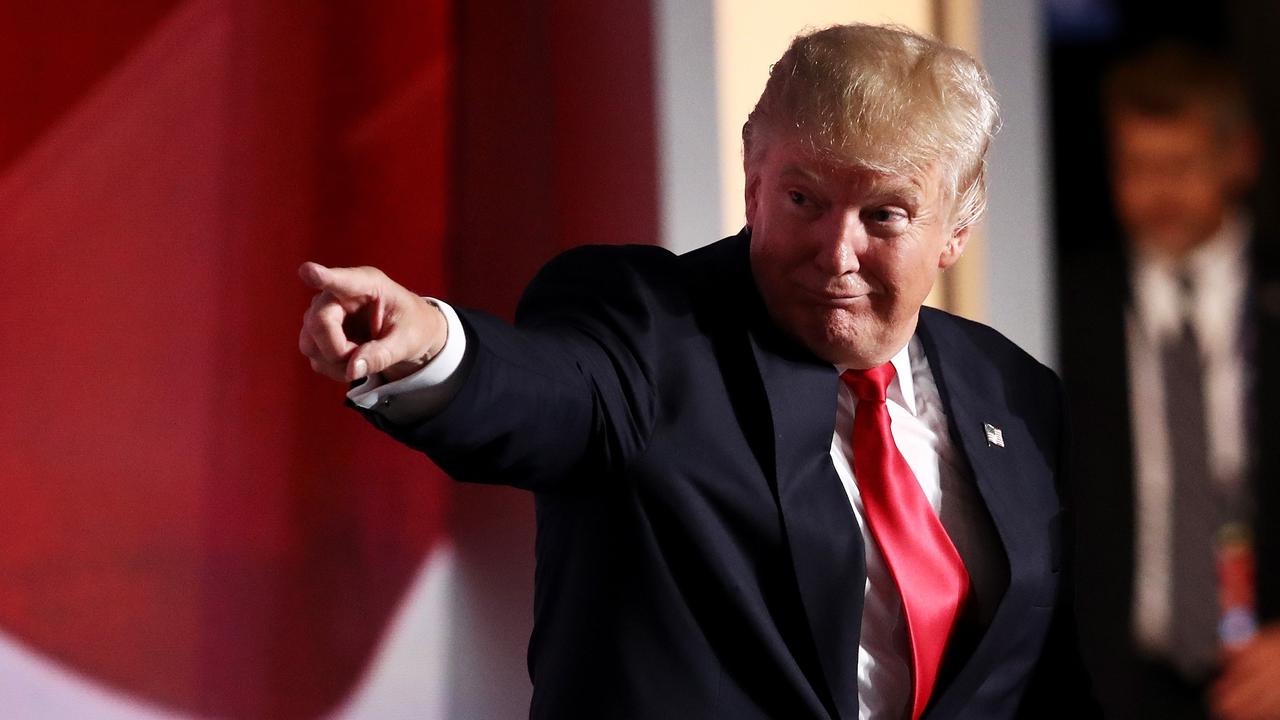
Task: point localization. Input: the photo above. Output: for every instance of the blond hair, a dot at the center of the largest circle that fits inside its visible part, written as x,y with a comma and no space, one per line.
885,99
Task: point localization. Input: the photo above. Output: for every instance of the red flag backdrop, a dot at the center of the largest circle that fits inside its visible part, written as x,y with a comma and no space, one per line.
188,516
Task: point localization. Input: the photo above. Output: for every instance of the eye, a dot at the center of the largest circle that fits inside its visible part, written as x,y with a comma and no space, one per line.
798,198
891,219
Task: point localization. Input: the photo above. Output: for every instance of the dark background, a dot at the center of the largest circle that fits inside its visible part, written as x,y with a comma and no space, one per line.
1085,38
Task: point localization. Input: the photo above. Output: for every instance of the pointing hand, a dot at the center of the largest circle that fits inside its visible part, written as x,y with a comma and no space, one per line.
361,322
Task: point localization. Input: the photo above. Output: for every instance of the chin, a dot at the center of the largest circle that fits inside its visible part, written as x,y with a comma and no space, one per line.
841,339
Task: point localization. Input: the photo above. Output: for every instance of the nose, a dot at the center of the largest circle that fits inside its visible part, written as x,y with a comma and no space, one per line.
842,244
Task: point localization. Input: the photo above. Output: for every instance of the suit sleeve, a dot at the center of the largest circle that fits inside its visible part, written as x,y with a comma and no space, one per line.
1061,685
568,394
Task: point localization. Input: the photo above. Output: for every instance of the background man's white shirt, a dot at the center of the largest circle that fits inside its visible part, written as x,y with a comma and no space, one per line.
1218,274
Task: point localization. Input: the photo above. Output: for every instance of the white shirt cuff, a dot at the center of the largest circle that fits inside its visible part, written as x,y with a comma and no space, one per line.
425,392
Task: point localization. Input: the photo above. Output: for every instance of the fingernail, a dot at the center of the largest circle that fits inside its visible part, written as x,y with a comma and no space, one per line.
362,368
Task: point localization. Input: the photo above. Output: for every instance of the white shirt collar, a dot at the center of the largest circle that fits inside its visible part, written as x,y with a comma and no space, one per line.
902,389
1216,271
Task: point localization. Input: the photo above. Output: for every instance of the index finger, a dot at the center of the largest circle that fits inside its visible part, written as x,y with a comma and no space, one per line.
342,282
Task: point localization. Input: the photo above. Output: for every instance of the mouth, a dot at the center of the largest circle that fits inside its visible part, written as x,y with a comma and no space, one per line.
834,299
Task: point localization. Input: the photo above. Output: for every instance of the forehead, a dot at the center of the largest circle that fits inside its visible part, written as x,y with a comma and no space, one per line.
790,161
1188,130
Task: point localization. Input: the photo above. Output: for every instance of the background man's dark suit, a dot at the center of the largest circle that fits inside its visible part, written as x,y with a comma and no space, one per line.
697,555
1096,377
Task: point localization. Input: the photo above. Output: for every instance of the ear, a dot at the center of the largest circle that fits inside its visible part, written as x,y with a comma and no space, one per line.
954,248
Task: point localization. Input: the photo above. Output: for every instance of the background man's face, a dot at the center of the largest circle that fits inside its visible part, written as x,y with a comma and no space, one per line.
844,257
1173,179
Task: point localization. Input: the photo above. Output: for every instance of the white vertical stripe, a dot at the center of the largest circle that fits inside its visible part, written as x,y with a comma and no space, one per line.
408,677
688,146
1019,283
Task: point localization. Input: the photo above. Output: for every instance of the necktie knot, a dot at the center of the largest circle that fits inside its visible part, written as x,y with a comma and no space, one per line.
872,384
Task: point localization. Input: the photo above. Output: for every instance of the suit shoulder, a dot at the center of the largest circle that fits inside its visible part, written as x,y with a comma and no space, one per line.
595,260
985,342
672,285
594,274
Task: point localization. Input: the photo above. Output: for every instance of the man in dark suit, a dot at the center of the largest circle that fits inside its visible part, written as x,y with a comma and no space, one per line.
1163,342
769,483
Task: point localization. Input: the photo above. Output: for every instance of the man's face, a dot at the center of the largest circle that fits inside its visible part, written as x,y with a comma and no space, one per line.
1173,179
845,257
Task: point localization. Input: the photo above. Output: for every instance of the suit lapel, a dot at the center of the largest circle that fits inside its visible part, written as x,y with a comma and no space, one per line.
970,399
822,534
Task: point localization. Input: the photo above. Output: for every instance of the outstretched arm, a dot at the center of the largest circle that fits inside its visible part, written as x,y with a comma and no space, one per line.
566,395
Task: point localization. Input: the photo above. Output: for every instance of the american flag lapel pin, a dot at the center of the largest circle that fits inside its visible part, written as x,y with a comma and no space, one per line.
994,435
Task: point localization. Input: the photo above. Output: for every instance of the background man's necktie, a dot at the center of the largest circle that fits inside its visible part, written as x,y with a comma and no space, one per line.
930,576
1197,511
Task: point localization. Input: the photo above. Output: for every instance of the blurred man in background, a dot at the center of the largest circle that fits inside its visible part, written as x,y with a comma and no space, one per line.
1161,365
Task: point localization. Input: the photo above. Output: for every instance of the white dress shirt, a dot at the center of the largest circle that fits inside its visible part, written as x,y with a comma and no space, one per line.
922,436
921,433
1218,273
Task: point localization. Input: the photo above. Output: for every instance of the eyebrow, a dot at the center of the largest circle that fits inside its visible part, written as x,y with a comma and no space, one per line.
907,189
796,169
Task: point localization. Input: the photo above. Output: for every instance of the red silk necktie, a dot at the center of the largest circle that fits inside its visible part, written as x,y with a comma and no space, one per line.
925,566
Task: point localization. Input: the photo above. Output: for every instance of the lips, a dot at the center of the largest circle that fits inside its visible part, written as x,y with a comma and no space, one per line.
835,299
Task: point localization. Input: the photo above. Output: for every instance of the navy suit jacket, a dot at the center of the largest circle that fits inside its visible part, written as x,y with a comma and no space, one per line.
696,553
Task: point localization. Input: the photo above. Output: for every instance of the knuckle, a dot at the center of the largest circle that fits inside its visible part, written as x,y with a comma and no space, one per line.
332,313
316,328
321,317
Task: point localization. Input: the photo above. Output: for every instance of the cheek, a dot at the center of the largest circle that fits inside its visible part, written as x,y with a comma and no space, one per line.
1129,201
1206,195
903,272
768,258
772,266
914,281
786,251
